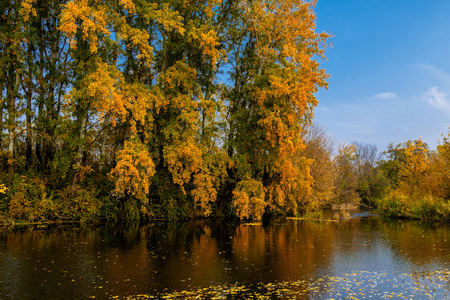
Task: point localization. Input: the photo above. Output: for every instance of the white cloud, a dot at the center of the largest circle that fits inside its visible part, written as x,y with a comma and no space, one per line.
437,99
387,95
438,73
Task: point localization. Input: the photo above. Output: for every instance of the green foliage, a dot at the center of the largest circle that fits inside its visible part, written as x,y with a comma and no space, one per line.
406,164
30,201
109,208
166,199
396,204
393,204
80,204
313,214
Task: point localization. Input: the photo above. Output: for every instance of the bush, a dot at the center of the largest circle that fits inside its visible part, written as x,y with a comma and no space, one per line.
313,214
80,204
30,201
431,209
395,204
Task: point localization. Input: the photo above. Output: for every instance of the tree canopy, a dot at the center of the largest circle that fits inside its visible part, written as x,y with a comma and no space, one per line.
136,108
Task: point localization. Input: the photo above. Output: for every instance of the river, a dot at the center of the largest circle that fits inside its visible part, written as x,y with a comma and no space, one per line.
362,257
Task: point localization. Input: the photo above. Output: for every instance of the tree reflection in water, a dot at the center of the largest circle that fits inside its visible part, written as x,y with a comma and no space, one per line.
280,259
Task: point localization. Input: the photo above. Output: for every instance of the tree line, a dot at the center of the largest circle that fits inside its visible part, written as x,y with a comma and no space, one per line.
408,180
138,109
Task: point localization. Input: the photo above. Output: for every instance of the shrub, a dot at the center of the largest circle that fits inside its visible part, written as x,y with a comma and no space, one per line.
313,214
431,209
80,204
393,204
30,201
396,204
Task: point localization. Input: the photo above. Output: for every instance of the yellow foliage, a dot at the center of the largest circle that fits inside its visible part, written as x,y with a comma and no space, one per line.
414,165
285,32
183,160
150,67
133,171
27,10
104,87
3,189
318,149
93,21
279,100
249,199
208,40
204,192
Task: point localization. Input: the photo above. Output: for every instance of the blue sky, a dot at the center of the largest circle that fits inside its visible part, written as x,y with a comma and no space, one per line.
390,70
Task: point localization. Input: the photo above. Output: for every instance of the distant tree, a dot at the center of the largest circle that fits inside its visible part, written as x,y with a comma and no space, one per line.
406,165
319,148
347,176
371,182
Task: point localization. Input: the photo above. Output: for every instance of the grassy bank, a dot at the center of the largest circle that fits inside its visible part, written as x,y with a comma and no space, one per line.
395,204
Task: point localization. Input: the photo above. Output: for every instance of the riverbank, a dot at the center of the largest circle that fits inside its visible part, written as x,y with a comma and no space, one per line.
416,207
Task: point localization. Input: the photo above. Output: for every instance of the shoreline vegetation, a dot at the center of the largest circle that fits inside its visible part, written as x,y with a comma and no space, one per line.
406,182
136,110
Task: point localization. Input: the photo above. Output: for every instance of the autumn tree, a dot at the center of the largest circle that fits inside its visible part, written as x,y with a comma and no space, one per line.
275,74
347,178
319,147
419,181
406,165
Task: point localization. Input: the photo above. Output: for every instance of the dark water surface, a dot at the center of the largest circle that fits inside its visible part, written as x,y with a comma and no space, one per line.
363,257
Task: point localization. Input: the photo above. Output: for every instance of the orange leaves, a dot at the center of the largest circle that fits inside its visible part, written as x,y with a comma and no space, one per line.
183,160
96,20
208,41
140,39
106,90
284,29
128,5
279,134
27,10
93,22
133,171
154,66
104,86
204,192
249,199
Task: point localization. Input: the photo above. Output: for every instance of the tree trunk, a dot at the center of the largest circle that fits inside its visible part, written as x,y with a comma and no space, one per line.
28,96
2,163
104,139
12,94
81,136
